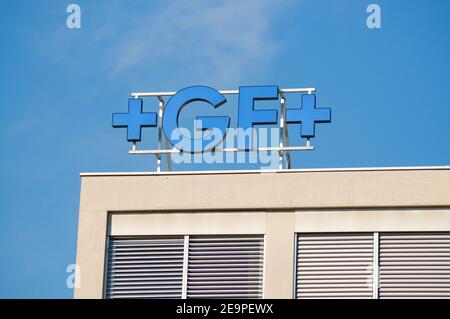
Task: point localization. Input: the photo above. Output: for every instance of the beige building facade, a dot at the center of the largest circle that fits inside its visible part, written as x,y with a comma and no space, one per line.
318,233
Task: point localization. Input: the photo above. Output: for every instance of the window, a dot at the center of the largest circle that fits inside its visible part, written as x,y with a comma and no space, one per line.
145,267
415,265
373,265
334,265
185,266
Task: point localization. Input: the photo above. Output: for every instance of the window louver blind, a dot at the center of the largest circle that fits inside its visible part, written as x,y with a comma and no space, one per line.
144,267
225,267
415,265
334,265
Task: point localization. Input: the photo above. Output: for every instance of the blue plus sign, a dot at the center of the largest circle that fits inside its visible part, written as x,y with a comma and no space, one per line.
308,115
134,120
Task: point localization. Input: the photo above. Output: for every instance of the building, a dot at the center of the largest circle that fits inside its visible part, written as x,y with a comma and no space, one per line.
339,233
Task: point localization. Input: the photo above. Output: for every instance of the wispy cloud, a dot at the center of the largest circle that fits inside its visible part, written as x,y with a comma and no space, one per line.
196,41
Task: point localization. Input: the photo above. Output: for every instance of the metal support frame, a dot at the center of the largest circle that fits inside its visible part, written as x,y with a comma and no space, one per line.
284,136
160,133
229,149
282,131
283,148
224,92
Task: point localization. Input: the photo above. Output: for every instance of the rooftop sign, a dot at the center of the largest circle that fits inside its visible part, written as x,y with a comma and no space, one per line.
211,131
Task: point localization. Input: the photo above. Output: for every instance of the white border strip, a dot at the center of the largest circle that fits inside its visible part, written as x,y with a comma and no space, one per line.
262,171
375,265
185,267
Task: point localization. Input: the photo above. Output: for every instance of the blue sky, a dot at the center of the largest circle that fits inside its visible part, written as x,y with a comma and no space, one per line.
388,89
